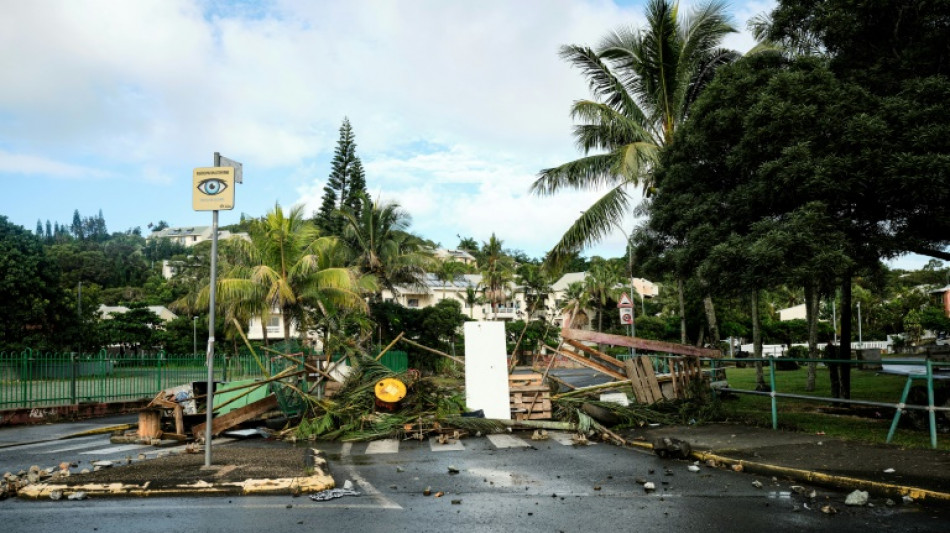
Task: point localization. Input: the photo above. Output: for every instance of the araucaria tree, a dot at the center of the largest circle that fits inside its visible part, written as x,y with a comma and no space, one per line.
346,186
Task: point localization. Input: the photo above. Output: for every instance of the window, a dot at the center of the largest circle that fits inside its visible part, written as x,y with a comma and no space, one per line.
273,324
412,302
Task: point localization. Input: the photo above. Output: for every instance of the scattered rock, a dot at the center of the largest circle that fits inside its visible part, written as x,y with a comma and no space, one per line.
828,509
596,487
857,498
56,495
908,499
736,468
64,466
453,469
540,434
889,471
668,448
640,481
84,471
757,484
456,502
427,492
711,463
890,503
79,495
347,485
649,486
693,468
797,489
400,469
439,494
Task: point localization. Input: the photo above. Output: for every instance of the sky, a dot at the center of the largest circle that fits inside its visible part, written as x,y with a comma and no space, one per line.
456,105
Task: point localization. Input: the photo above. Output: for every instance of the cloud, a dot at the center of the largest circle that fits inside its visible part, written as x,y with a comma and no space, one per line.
23,164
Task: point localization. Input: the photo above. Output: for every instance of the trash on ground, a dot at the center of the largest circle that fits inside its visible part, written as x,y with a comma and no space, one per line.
331,494
857,498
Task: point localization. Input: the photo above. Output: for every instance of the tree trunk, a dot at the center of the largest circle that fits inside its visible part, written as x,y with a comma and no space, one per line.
711,318
811,312
682,301
844,349
757,343
286,319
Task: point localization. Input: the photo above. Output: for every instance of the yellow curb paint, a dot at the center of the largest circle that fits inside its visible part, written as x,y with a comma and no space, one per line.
827,479
844,482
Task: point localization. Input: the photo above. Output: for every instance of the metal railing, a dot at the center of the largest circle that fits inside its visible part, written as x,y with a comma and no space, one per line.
926,373
31,379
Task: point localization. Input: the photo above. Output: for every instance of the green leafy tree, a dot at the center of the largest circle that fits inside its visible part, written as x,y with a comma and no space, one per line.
644,83
37,308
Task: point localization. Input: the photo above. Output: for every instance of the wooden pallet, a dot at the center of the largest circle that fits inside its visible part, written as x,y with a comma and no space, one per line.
646,389
530,398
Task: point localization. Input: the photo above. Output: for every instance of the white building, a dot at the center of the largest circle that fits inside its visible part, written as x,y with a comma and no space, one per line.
192,235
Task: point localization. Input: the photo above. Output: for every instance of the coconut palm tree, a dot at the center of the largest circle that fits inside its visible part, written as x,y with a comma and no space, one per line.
601,283
643,82
286,266
497,271
449,271
382,247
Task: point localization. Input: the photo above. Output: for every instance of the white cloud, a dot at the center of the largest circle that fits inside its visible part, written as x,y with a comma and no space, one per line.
23,164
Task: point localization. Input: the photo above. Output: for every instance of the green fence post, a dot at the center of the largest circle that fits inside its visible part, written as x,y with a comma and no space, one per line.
772,394
930,404
158,377
72,378
900,405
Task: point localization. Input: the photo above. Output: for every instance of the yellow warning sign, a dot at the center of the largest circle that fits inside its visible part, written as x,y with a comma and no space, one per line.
212,189
624,301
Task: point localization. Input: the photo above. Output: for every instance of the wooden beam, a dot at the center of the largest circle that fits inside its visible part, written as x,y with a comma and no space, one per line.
235,417
638,343
590,364
595,353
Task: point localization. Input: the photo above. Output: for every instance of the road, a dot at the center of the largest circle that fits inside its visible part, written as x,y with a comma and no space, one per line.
504,483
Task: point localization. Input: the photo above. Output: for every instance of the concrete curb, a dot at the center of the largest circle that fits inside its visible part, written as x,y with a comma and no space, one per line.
316,480
817,478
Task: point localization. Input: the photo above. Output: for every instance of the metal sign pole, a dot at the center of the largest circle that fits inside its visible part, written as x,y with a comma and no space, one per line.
210,361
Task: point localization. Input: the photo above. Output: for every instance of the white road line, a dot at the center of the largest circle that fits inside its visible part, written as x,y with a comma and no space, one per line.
383,446
449,446
364,485
115,449
51,443
507,441
71,448
566,439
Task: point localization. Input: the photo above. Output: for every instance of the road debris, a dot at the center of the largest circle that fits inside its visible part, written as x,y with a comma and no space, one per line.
331,494
858,498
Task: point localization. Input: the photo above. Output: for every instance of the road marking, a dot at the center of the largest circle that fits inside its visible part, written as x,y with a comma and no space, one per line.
566,439
364,485
452,445
71,448
383,446
507,441
115,449
50,443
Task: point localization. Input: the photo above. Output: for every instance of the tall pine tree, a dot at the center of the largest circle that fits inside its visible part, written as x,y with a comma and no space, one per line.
347,182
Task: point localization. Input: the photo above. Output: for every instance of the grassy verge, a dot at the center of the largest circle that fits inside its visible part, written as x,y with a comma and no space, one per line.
805,416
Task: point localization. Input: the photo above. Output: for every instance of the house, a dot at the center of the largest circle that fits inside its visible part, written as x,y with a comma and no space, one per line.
942,295
796,312
106,312
192,235
275,329
455,255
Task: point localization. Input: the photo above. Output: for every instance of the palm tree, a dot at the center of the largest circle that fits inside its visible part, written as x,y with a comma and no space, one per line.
536,284
286,266
449,271
601,283
643,82
383,248
576,300
471,298
497,272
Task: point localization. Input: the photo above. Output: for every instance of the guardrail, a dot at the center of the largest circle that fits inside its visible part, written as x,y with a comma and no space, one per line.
47,379
924,371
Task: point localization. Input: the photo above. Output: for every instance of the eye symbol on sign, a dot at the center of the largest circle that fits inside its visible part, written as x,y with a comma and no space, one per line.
212,186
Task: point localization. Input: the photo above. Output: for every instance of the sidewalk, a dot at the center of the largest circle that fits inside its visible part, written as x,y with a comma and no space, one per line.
845,465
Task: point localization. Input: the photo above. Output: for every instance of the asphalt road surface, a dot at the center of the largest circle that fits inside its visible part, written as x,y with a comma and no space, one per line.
503,483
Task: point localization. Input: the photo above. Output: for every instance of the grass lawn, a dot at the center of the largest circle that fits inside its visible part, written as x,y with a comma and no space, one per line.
805,416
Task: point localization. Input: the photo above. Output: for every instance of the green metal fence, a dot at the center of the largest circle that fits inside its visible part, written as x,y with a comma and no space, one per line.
46,379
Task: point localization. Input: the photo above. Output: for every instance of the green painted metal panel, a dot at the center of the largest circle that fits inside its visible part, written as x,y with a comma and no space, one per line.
395,360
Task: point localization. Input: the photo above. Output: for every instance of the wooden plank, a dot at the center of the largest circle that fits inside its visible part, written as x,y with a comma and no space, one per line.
638,343
531,388
590,364
634,374
150,423
647,365
179,420
596,353
235,417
